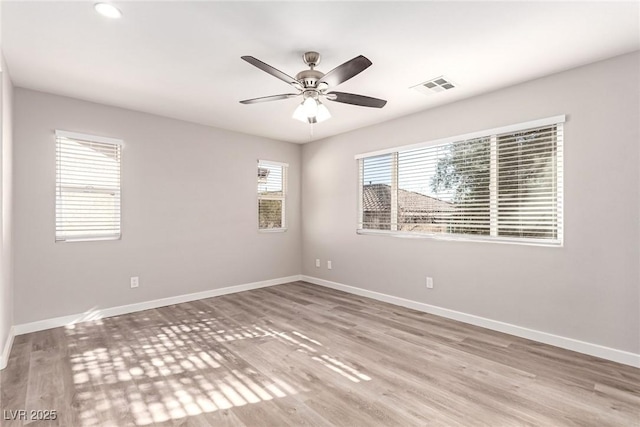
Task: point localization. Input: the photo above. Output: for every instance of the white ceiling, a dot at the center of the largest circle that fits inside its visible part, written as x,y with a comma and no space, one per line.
182,59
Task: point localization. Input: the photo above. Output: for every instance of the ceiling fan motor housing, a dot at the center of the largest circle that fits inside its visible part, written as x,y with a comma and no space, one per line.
309,78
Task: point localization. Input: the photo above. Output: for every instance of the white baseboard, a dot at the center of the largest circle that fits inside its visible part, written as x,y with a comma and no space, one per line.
603,352
94,314
6,350
620,356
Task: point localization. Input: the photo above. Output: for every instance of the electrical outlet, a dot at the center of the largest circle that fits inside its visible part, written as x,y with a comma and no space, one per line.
317,263
430,282
135,282
328,265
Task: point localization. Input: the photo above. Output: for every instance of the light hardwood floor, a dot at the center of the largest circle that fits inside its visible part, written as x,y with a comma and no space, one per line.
299,354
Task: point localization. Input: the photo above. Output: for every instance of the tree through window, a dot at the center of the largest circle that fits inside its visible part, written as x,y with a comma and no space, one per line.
505,185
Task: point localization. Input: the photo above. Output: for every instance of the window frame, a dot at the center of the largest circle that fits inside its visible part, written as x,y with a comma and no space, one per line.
282,198
493,134
58,186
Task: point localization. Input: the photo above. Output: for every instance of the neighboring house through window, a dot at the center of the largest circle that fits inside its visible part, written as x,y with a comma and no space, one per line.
87,187
500,184
272,193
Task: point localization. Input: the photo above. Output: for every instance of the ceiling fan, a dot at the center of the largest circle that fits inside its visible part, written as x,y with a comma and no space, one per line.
314,85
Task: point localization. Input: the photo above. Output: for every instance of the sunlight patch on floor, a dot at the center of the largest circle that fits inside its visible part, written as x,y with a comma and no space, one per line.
178,370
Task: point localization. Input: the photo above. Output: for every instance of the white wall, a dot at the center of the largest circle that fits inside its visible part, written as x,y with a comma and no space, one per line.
189,213
588,290
189,220
6,248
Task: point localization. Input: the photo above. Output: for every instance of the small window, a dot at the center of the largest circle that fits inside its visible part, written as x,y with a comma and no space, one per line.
502,184
272,192
87,187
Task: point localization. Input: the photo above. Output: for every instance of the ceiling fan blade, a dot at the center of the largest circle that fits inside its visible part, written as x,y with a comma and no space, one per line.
344,72
353,99
270,98
273,71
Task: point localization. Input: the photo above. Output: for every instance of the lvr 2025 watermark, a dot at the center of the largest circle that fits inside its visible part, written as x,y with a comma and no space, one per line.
33,415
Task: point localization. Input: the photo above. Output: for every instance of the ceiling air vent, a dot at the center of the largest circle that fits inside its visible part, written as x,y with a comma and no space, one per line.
438,84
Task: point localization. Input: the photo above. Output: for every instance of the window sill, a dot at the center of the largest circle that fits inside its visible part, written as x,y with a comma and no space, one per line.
88,239
461,238
271,230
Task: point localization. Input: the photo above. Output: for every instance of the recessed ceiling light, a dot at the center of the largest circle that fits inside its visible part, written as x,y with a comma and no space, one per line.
108,10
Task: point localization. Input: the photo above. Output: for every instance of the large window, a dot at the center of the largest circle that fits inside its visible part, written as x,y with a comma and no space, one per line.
272,192
501,184
87,187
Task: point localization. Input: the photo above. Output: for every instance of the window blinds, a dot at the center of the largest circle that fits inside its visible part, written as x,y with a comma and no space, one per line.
501,185
528,174
87,187
272,188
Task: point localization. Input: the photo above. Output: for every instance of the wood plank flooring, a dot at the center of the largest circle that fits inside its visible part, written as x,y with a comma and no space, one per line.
303,355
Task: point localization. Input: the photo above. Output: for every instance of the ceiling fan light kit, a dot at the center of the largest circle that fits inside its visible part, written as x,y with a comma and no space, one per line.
313,85
311,110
